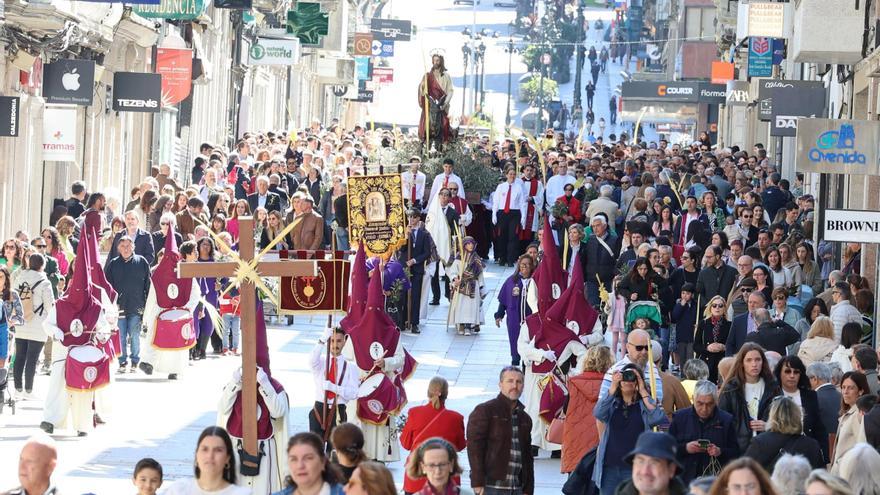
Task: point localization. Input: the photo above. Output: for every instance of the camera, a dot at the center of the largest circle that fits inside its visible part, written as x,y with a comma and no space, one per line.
629,376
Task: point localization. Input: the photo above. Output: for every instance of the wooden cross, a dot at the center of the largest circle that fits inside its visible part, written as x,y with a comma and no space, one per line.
248,307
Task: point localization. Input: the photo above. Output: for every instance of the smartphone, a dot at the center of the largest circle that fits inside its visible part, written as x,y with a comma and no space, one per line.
704,444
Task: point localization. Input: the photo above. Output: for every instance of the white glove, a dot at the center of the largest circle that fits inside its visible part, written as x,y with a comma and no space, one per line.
328,332
58,334
236,376
550,355
331,387
263,378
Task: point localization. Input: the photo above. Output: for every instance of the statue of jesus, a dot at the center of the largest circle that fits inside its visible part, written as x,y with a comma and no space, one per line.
438,95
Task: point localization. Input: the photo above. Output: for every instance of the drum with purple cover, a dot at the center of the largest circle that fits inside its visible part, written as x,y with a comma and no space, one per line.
87,368
377,399
174,330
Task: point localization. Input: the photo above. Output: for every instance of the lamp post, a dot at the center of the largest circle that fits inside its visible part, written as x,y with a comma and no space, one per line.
510,49
579,60
546,58
465,55
481,50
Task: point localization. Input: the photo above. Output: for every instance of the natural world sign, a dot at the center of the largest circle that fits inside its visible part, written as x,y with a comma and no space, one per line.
376,214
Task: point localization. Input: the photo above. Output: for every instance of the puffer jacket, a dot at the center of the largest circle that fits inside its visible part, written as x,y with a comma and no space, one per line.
42,297
816,350
732,400
580,433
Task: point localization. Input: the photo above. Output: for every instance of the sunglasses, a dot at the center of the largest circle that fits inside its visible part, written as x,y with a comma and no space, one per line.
745,290
40,246
639,348
779,298
717,305
790,371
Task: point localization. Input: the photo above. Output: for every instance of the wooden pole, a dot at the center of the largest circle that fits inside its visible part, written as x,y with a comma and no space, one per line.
249,340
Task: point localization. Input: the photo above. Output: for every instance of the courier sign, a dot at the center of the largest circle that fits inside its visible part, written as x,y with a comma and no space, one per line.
838,146
664,90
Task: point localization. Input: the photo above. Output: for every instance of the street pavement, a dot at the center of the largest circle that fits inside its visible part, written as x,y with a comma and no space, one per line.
160,419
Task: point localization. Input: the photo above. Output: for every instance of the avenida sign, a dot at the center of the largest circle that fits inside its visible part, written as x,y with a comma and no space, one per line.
838,146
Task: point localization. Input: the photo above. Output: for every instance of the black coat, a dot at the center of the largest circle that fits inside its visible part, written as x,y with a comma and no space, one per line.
732,400
828,398
737,336
159,242
769,446
703,338
273,201
714,281
813,425
420,251
580,482
718,429
599,261
775,336
143,246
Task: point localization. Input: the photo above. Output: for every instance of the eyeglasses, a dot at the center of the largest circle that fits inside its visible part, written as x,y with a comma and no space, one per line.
9,246
717,305
791,371
40,246
639,348
779,298
747,217
435,467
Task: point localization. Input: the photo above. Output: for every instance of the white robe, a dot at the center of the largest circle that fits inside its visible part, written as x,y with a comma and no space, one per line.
273,465
532,389
380,442
62,404
438,184
539,203
466,309
103,396
164,361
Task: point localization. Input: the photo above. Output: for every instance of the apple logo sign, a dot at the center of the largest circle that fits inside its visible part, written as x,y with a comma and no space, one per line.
70,80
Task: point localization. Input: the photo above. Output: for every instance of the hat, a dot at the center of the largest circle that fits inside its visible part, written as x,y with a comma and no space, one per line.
749,282
655,444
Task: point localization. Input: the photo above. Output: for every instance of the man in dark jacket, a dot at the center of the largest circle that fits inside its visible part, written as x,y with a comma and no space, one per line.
717,278
129,275
703,432
654,465
414,256
744,324
772,335
264,197
828,397
499,443
143,241
600,252
773,198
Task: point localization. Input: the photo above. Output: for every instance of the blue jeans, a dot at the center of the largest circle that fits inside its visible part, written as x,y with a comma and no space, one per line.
130,327
232,329
612,477
342,239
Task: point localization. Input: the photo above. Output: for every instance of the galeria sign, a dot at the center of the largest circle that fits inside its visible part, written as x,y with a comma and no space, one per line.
852,226
837,146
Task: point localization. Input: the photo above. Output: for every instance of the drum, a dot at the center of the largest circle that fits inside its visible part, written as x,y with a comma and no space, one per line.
174,330
112,346
377,399
87,368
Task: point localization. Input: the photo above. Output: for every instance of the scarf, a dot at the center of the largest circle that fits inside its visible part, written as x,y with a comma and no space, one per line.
716,328
451,489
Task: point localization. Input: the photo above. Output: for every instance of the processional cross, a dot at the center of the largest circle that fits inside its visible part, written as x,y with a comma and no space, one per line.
246,270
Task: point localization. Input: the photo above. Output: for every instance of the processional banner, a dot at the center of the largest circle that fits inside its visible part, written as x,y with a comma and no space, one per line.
325,293
376,213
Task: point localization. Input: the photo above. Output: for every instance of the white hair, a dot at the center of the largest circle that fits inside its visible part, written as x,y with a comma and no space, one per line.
650,193
861,468
606,190
704,388
789,474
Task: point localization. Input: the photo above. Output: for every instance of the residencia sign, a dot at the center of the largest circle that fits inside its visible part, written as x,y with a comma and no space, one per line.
852,226
185,10
833,146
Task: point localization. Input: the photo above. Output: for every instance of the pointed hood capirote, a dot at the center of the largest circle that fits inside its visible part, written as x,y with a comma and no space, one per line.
93,223
357,303
172,291
79,309
374,336
572,308
549,276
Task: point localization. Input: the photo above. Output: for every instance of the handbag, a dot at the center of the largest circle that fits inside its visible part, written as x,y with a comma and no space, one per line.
555,430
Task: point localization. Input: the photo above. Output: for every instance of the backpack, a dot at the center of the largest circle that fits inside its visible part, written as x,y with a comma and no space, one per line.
26,294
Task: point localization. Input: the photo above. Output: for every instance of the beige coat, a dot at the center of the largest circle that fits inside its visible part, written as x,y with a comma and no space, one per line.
816,349
850,431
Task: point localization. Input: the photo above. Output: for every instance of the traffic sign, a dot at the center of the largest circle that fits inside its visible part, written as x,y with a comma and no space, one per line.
363,44
546,59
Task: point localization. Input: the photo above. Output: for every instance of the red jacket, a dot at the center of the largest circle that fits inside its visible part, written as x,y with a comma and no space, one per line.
424,422
574,207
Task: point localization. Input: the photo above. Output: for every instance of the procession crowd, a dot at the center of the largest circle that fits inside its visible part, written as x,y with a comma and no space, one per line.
673,327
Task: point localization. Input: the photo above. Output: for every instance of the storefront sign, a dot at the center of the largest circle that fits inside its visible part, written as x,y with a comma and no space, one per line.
274,52
722,71
137,92
766,88
308,22
766,19
789,105
362,68
738,93
69,81
383,75
376,213
59,134
175,66
695,92
852,226
383,48
184,10
9,110
363,44
760,57
391,29
835,146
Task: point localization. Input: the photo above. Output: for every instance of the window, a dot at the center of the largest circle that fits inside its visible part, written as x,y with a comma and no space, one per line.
699,23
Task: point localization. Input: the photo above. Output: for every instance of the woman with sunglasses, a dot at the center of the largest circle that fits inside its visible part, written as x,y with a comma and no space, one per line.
850,425
11,256
791,375
54,248
748,390
711,336
626,411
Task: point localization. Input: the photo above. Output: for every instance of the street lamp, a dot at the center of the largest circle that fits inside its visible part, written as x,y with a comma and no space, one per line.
481,50
465,55
510,49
